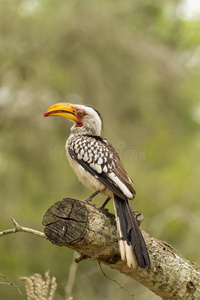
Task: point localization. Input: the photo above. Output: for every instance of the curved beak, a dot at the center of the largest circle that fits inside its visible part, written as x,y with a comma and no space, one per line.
63,110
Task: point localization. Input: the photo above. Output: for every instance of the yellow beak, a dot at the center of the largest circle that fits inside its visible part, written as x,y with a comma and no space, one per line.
63,110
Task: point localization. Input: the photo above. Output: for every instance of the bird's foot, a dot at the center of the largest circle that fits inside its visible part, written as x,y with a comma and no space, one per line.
88,202
89,199
102,207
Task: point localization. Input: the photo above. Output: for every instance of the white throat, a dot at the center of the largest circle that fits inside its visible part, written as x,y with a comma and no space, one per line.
92,123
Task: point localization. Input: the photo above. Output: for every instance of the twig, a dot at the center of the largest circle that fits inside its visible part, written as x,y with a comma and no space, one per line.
19,228
121,287
71,278
11,283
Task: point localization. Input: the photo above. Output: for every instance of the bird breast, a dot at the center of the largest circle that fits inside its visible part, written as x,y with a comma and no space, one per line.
86,178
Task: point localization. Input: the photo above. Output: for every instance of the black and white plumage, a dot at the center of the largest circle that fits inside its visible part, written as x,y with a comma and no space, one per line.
98,166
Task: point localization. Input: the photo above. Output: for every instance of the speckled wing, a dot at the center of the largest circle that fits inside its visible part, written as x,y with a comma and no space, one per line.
100,159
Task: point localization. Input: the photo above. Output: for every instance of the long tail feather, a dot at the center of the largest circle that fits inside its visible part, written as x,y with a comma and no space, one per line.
131,242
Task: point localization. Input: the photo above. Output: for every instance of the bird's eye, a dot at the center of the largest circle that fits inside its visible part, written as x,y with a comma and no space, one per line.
81,113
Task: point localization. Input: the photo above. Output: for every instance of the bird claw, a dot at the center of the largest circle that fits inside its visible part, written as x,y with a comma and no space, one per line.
88,202
103,209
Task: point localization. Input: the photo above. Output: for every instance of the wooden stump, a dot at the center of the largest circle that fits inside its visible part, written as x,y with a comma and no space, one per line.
91,231
65,222
81,226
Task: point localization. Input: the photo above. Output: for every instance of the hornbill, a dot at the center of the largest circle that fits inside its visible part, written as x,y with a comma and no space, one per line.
98,166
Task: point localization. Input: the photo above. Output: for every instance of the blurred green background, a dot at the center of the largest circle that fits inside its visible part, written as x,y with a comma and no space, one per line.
138,63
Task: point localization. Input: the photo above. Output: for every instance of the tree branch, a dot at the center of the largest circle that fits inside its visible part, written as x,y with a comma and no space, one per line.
9,282
92,232
19,228
84,228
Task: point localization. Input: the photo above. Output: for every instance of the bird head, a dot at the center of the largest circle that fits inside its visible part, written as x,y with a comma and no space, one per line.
87,119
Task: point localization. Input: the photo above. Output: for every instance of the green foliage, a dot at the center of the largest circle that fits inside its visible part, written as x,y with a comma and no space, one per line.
138,64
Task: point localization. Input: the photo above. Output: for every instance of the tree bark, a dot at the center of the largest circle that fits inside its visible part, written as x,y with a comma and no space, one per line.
84,228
